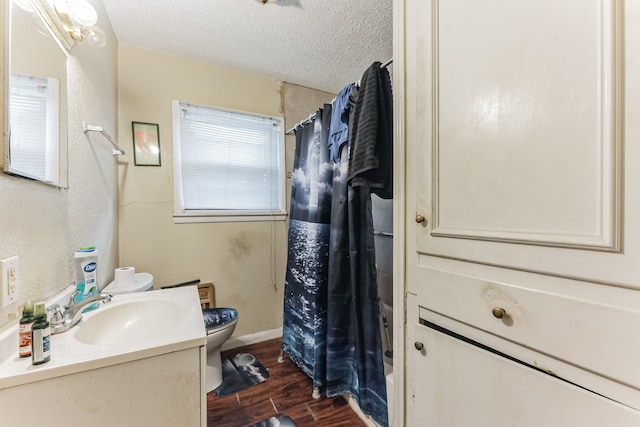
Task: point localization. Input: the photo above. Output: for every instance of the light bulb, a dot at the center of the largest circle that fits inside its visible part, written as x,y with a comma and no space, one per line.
82,13
95,36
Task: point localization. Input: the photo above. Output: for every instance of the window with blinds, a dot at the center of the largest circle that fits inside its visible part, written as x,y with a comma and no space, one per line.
226,164
34,106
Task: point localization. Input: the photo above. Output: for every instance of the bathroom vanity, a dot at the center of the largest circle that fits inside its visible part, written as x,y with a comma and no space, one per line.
138,360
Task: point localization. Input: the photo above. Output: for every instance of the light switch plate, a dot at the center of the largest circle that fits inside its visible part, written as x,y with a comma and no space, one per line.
10,280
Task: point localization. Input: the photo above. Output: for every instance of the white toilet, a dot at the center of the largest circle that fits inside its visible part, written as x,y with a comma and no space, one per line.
143,282
220,324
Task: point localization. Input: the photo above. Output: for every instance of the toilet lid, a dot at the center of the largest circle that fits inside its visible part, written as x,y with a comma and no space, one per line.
215,317
144,281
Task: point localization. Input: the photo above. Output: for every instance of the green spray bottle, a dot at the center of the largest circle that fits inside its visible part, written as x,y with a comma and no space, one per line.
41,337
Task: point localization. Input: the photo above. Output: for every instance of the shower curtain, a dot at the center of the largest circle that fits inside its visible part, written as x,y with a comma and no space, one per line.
331,326
305,292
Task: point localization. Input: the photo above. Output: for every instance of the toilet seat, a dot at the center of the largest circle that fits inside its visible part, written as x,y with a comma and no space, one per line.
216,319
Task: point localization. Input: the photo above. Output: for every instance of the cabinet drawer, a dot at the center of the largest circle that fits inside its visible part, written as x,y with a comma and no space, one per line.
584,325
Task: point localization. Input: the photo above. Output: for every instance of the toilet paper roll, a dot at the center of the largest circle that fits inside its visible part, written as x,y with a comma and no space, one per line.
125,276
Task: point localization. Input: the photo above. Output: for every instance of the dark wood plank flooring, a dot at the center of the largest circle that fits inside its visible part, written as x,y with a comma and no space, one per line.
287,391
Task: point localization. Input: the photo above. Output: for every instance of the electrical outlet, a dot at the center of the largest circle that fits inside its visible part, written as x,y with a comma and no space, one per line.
10,280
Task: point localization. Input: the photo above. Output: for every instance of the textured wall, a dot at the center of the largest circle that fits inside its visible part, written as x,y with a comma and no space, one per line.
45,225
244,260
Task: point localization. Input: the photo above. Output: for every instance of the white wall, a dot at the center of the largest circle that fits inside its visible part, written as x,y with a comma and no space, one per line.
45,225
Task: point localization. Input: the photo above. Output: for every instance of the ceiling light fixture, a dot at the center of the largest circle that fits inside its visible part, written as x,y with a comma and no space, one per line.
67,20
79,19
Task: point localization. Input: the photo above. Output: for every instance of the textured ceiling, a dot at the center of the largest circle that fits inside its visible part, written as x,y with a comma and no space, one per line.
322,44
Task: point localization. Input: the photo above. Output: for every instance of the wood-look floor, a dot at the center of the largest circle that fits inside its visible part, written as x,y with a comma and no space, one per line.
287,391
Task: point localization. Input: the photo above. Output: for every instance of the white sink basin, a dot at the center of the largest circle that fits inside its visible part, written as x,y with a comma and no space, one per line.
129,321
130,327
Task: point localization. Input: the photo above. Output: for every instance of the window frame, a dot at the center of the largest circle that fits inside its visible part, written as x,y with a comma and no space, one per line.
183,216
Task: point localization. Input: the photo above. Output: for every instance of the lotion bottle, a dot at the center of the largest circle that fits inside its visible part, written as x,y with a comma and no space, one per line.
86,266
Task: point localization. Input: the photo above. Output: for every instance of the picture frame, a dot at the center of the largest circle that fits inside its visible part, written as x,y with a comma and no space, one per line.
146,144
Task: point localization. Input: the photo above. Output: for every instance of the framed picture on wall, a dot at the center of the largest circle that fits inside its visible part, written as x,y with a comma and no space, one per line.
146,144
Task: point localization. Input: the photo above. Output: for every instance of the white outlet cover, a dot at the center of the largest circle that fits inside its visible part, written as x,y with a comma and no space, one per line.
10,280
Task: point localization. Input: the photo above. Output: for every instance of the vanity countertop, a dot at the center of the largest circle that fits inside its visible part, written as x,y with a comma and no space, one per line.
135,337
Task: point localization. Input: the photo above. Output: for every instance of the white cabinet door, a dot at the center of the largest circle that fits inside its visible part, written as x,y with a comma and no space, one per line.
522,156
522,135
458,384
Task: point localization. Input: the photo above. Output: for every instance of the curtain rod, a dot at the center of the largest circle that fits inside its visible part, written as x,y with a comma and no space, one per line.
313,115
301,123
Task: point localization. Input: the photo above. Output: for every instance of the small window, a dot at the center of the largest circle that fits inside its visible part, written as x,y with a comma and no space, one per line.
228,165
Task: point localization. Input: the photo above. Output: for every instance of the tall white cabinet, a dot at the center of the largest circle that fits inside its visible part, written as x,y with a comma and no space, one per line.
521,211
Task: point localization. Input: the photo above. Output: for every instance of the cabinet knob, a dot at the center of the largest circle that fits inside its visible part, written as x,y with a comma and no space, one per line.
419,346
498,312
420,219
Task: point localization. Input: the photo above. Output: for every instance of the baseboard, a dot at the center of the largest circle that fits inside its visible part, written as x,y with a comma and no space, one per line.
257,337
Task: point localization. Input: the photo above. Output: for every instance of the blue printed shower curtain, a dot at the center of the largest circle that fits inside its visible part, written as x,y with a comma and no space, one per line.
331,328
305,300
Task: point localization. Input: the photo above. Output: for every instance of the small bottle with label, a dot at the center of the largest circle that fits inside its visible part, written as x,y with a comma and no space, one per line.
24,330
41,337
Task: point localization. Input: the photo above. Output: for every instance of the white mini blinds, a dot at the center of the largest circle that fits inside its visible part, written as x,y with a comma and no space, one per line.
34,105
227,162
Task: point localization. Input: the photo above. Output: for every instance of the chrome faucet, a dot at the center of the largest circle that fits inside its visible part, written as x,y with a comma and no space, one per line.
65,318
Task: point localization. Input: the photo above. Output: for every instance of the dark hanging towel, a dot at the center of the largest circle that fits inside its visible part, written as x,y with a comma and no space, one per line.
305,291
371,134
354,345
